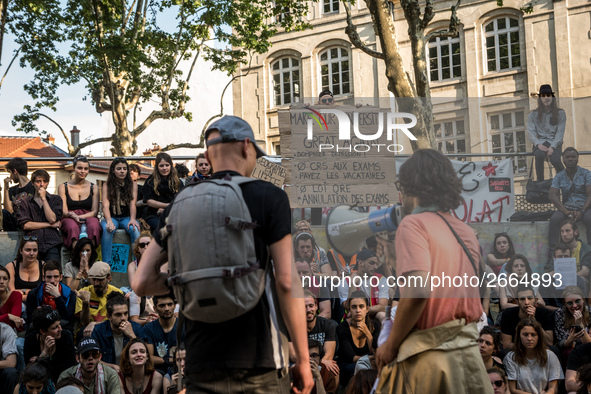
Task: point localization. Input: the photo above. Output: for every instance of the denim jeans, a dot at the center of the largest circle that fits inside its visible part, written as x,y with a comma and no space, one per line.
252,381
107,237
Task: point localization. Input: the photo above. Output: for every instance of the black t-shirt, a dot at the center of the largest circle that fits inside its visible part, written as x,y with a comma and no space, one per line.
347,349
324,330
165,193
255,339
580,356
18,194
511,319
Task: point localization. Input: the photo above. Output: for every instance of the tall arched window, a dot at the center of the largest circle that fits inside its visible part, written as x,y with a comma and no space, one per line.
335,71
444,58
285,75
501,37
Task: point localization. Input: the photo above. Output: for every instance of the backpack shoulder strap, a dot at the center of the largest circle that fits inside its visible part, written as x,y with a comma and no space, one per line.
476,269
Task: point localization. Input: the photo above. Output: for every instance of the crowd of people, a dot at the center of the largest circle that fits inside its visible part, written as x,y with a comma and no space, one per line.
68,326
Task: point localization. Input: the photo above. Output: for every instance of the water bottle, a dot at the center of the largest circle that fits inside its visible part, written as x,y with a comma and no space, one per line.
83,229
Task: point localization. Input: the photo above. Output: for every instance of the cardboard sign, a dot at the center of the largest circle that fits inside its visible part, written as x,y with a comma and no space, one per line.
269,171
339,155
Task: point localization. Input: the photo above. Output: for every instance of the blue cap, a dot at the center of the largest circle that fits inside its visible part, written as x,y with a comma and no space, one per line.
231,129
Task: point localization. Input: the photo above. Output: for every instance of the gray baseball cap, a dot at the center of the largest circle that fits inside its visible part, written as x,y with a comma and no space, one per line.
232,128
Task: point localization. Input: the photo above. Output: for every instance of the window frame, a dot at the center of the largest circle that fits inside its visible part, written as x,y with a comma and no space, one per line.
496,33
454,137
513,129
439,42
281,72
329,61
331,4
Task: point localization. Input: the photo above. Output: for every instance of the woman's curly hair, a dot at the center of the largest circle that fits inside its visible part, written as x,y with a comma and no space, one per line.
429,176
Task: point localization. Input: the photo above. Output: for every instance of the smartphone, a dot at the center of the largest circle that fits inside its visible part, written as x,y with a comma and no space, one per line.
576,327
83,220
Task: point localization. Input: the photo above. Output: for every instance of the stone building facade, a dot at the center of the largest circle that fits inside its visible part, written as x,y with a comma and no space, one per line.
482,81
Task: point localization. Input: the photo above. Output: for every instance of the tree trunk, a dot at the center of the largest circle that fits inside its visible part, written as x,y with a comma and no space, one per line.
3,12
124,143
398,82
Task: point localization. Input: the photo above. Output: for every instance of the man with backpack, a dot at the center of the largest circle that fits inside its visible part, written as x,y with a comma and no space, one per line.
245,349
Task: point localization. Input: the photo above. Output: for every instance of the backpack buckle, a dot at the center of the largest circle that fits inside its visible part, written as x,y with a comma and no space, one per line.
228,273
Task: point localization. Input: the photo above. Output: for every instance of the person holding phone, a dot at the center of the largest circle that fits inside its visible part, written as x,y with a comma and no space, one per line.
572,321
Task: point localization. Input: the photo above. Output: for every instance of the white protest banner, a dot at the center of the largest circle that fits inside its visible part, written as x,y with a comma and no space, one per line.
487,190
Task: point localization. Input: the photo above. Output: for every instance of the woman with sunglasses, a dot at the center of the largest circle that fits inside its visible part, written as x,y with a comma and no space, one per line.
35,380
572,321
498,379
136,370
119,206
531,367
489,343
83,257
517,267
139,305
26,270
160,188
48,343
545,126
81,205
503,250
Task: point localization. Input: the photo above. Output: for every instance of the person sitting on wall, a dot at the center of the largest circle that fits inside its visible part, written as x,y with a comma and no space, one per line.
574,183
40,215
81,206
17,169
545,126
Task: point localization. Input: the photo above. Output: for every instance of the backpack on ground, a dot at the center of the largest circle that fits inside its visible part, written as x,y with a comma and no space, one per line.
212,261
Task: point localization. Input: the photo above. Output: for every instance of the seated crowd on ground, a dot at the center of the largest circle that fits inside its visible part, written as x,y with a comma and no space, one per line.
70,323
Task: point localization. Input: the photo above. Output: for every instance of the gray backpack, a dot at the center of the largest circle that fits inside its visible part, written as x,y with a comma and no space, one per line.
211,253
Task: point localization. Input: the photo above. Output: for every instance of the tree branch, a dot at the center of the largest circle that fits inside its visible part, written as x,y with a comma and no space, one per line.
126,18
92,142
428,14
351,31
136,20
176,146
10,64
70,146
452,30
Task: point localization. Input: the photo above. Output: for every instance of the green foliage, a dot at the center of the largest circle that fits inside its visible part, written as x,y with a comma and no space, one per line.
128,52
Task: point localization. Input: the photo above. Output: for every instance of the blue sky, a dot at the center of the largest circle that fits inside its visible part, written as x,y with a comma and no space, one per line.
71,109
